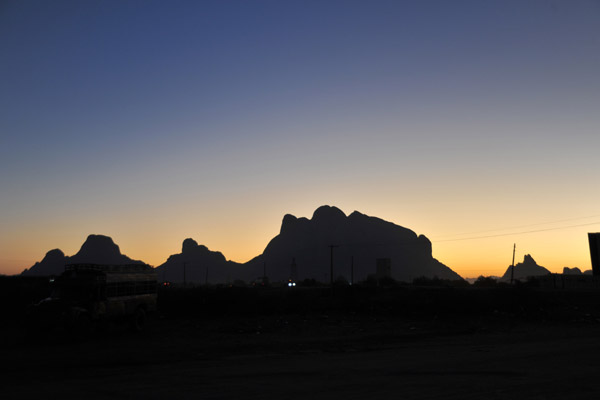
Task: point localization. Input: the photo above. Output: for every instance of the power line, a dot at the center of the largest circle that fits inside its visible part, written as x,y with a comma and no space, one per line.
518,233
410,242
513,227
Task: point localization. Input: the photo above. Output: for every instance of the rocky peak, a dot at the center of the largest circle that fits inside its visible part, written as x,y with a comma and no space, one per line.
525,269
528,260
189,245
52,255
328,214
99,245
100,249
288,223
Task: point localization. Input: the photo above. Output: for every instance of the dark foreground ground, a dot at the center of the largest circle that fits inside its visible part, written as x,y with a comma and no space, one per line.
408,343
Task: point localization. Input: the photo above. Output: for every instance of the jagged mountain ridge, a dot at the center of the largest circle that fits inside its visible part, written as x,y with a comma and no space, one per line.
359,241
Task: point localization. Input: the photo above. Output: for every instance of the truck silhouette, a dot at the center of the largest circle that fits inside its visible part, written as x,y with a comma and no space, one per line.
89,295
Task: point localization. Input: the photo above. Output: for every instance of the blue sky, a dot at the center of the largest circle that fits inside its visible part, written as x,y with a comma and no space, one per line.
154,121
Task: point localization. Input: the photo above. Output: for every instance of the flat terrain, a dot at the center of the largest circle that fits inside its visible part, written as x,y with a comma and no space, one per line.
343,355
425,343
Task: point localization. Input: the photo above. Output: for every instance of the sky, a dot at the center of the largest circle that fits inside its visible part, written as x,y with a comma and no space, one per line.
475,123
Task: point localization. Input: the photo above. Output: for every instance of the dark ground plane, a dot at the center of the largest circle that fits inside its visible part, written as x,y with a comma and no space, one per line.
427,343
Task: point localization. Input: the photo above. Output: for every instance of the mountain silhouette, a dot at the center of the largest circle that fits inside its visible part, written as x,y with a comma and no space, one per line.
524,269
97,249
198,264
359,241
100,249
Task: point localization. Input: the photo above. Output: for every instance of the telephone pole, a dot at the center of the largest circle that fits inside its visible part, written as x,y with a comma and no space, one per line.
512,267
184,280
352,271
331,247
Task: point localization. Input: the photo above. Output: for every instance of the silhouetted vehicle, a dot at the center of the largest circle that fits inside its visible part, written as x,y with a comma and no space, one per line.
86,295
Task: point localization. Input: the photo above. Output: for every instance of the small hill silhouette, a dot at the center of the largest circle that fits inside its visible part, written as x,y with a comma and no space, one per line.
572,271
524,269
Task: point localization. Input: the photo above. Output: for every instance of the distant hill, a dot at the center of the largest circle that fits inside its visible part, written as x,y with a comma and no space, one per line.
97,249
572,271
576,271
473,280
524,269
359,240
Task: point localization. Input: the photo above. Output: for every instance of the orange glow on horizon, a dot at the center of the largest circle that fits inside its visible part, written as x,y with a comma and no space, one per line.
240,241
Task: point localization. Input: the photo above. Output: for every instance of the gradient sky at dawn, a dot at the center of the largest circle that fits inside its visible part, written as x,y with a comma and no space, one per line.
154,121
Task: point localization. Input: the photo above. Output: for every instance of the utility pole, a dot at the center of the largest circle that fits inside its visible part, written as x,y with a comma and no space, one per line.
184,281
512,267
331,247
352,271
206,277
